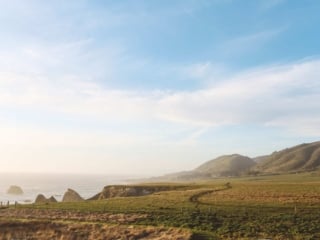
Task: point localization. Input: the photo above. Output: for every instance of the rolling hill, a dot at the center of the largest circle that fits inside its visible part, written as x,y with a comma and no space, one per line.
304,157
227,165
223,166
300,158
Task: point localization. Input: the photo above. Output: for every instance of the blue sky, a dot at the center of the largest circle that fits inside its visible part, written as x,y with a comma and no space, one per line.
152,87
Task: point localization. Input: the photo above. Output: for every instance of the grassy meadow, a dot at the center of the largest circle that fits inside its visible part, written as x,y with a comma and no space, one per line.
264,207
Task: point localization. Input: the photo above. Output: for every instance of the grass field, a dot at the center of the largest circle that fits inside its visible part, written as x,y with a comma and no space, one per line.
270,207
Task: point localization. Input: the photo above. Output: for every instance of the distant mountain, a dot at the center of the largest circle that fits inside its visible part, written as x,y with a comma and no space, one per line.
260,158
227,165
304,157
224,166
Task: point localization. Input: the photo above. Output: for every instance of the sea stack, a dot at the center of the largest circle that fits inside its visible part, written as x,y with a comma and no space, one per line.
72,196
42,199
15,190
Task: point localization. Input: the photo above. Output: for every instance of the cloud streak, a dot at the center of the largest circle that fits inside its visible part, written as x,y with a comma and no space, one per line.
248,43
259,96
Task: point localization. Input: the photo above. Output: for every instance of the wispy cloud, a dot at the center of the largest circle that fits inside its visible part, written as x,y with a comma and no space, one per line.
248,43
206,72
259,96
135,123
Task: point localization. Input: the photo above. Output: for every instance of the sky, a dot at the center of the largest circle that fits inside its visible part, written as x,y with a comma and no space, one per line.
154,86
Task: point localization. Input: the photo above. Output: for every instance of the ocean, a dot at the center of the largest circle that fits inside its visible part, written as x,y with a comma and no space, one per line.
54,185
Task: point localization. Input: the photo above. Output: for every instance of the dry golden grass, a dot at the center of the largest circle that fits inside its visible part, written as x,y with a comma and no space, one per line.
267,192
46,230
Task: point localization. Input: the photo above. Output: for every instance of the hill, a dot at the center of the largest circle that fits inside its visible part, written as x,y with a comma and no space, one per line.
223,166
227,165
300,158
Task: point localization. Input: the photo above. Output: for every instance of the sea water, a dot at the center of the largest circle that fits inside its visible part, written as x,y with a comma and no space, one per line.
54,185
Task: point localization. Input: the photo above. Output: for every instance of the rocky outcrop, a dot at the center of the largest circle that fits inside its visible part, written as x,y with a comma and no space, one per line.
52,199
15,190
42,199
71,196
130,191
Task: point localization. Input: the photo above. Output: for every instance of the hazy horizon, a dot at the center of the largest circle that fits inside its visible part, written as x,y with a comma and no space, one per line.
153,87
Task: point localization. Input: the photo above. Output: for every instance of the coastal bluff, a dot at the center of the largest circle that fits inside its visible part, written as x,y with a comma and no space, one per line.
113,191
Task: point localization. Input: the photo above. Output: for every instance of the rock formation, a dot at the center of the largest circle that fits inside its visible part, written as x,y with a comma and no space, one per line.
52,199
42,199
72,196
15,190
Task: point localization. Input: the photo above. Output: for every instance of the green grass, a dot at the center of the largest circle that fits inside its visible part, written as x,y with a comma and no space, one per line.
277,207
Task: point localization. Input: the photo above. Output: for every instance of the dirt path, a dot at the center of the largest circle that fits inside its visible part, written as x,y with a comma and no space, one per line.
195,198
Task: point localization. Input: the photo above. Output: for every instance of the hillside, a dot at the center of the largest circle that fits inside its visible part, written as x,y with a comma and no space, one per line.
223,166
304,157
227,165
300,158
